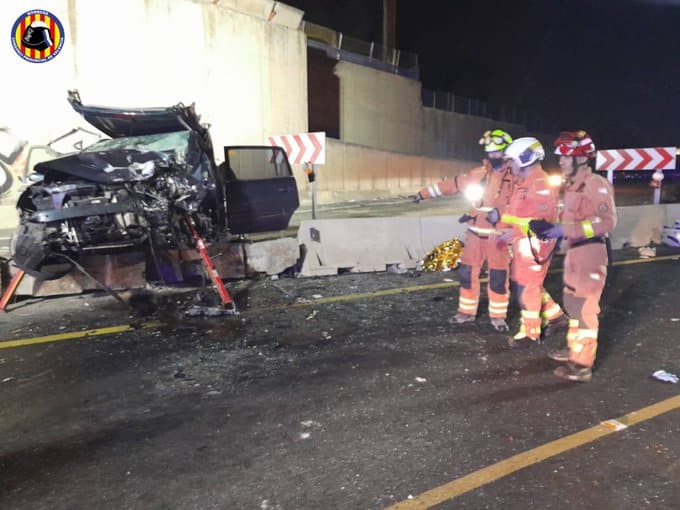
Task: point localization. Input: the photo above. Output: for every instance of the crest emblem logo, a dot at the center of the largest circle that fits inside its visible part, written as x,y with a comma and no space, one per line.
37,36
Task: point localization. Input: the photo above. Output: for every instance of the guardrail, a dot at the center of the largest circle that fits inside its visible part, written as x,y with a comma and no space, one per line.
362,52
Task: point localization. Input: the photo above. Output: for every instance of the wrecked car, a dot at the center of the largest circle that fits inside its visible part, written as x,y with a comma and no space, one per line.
141,188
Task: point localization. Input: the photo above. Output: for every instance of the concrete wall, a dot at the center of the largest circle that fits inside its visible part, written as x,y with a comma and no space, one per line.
243,62
379,109
451,135
354,171
384,110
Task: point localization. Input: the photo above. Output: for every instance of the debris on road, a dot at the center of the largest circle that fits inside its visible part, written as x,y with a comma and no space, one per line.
310,424
421,379
647,252
662,375
208,311
396,269
312,315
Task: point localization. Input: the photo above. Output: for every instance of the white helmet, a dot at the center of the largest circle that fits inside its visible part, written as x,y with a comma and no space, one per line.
525,151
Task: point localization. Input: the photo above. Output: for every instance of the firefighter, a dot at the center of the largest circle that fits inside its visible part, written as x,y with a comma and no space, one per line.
589,215
533,198
488,187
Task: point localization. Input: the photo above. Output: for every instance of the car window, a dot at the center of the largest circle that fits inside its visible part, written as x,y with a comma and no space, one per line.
253,163
161,142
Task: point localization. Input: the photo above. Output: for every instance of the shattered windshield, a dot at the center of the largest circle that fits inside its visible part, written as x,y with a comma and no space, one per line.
161,142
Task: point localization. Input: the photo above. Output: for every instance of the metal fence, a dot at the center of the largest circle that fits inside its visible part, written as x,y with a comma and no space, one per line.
501,112
375,55
366,53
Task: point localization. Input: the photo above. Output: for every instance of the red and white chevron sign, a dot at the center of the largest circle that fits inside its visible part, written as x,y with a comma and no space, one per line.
636,159
303,147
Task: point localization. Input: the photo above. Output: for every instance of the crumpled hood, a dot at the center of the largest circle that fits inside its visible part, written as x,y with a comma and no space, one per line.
105,167
124,122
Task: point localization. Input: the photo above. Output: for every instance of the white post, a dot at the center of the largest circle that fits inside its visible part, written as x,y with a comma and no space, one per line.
610,175
657,195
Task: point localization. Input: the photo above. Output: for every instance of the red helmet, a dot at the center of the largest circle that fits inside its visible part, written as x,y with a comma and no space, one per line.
575,143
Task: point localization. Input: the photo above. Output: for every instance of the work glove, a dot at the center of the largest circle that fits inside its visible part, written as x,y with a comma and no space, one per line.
416,198
505,238
493,216
465,218
546,230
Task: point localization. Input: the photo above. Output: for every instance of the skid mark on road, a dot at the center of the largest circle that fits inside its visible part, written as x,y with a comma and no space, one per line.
512,464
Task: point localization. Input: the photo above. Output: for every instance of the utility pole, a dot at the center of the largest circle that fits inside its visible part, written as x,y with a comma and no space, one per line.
389,23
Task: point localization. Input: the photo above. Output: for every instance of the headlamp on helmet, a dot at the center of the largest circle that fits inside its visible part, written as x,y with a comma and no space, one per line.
575,143
495,140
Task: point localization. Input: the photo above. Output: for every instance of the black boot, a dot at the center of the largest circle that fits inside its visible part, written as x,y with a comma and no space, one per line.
559,325
573,372
560,355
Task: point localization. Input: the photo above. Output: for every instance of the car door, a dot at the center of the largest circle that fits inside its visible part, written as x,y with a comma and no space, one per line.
260,190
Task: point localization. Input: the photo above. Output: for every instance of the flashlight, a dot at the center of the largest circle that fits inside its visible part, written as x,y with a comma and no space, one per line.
555,180
474,192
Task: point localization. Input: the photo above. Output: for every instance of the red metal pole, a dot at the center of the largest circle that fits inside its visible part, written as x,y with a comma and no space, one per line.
13,284
212,272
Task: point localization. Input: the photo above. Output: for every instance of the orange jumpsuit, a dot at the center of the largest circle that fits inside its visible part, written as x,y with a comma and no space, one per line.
532,199
589,215
480,238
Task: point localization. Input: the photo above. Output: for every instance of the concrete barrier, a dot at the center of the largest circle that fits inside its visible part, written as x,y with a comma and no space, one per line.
641,225
373,244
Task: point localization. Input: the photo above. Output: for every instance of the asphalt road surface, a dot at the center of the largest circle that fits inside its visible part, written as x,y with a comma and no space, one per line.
340,392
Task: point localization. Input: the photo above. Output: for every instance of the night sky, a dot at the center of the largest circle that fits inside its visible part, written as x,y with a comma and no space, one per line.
611,67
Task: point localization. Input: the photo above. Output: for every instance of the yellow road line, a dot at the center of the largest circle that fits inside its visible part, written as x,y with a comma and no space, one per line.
332,299
422,288
505,467
368,295
642,261
77,334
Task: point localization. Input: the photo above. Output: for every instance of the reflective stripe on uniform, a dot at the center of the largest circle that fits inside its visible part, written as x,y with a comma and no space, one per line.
588,229
483,231
522,333
551,311
434,191
515,220
498,307
573,323
530,314
467,304
585,334
522,223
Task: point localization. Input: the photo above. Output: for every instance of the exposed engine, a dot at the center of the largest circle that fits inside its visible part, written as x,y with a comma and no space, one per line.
120,207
